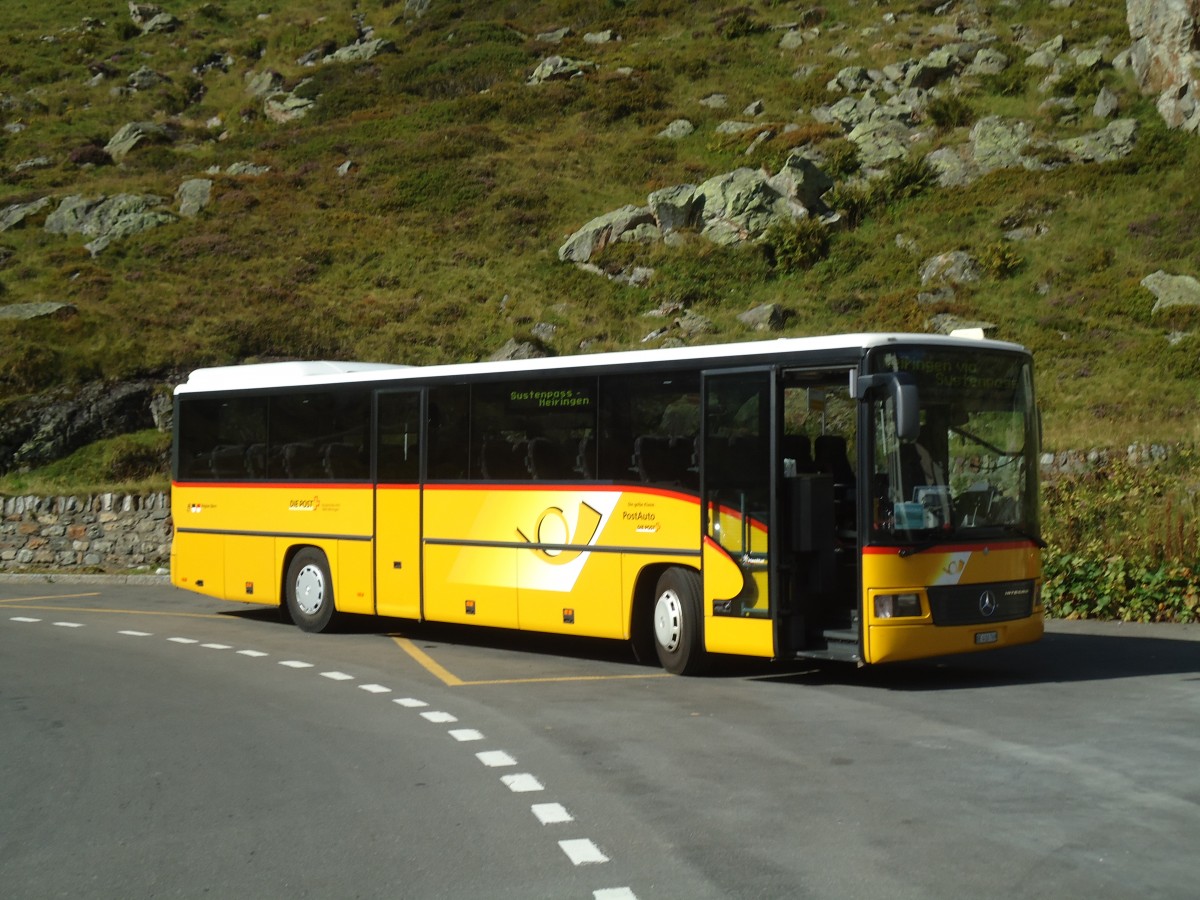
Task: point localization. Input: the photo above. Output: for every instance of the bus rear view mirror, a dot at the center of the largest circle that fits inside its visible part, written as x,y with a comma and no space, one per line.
906,401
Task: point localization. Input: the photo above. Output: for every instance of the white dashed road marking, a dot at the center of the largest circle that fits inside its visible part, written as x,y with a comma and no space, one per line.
495,759
580,851
552,813
522,783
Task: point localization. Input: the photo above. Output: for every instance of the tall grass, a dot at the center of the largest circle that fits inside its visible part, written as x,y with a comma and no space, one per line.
464,181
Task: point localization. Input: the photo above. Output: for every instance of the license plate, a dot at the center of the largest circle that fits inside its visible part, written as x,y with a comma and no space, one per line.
987,637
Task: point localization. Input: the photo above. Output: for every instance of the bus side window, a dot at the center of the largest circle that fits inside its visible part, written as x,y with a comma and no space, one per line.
546,461
216,433
449,432
648,428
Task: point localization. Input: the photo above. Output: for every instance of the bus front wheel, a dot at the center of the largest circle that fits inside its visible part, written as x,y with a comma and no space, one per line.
678,622
310,590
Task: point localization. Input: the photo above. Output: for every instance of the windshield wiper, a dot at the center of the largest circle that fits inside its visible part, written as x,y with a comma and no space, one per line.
906,552
1015,530
1018,531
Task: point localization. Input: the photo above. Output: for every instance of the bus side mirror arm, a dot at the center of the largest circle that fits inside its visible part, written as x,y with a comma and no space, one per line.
902,388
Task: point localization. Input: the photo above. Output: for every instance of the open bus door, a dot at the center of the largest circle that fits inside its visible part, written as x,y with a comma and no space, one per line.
816,560
738,468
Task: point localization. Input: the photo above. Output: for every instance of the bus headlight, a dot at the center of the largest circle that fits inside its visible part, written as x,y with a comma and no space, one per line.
893,606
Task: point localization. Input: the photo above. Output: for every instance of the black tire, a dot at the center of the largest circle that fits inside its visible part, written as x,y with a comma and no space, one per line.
677,622
309,590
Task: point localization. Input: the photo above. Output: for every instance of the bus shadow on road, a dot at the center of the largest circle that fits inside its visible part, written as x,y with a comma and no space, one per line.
1057,658
431,636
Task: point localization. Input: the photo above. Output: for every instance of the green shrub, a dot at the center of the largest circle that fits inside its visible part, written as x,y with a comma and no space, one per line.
1011,82
640,97
906,178
1000,259
951,111
795,245
140,460
841,158
739,23
29,367
1080,586
1125,541
1078,81
853,200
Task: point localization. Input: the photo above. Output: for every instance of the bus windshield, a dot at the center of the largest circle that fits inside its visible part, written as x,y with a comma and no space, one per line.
971,473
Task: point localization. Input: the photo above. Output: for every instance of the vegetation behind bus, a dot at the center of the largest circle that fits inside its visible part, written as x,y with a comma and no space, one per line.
1124,541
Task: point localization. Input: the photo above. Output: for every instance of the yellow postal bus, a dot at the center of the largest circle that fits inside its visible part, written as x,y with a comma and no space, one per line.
866,497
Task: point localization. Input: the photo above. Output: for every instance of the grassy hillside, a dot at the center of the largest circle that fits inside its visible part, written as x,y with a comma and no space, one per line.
439,240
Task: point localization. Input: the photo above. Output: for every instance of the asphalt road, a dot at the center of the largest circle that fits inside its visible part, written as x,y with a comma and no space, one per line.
155,743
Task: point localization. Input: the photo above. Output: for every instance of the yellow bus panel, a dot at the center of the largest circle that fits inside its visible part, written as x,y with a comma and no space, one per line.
741,636
470,584
250,570
354,589
585,601
398,552
548,559
913,637
896,642
198,563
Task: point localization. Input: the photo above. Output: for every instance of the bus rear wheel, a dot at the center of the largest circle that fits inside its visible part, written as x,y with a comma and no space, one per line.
310,590
678,623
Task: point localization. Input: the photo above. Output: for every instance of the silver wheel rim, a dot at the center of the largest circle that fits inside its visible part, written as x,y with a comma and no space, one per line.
668,621
310,589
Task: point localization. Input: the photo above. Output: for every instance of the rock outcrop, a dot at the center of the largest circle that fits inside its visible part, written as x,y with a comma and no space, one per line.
1166,56
726,209
105,219
49,426
1172,290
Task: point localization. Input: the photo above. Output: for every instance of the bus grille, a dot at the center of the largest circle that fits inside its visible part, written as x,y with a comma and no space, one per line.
979,604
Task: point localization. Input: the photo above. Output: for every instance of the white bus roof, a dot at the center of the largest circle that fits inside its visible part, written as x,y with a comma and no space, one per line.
295,374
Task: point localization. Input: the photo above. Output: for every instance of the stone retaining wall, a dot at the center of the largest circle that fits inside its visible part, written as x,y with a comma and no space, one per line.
105,532
1069,462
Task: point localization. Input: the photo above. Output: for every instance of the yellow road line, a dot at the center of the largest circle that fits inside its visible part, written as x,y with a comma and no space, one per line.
50,597
449,679
565,678
426,661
